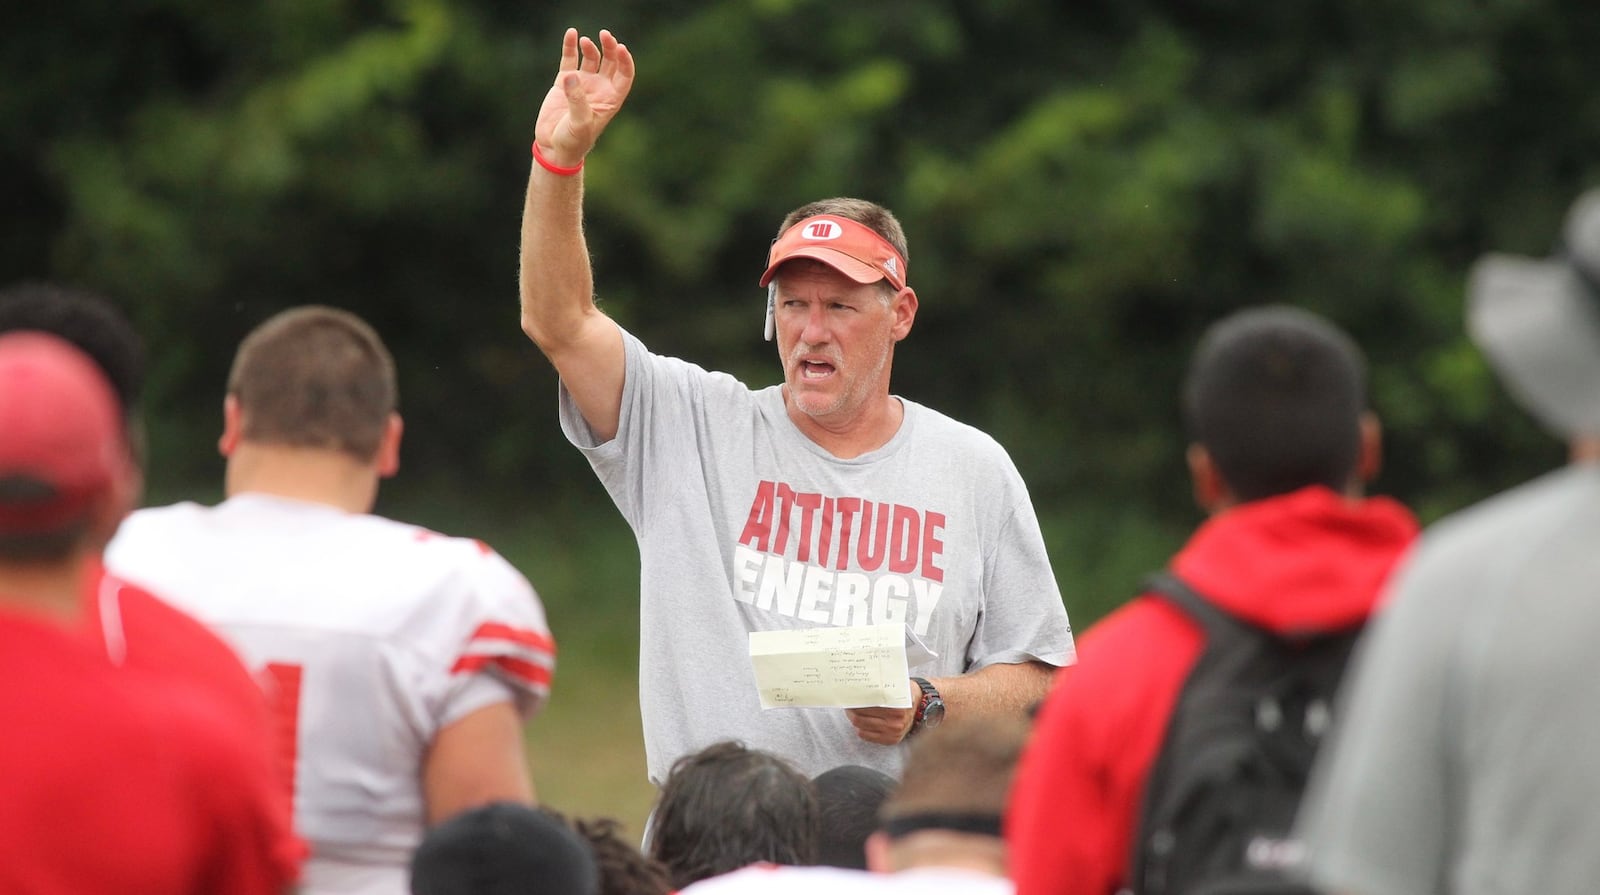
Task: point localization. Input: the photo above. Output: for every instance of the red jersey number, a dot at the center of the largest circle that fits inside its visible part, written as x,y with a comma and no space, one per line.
285,701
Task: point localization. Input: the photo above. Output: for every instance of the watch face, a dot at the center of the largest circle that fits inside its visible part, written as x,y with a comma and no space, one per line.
933,712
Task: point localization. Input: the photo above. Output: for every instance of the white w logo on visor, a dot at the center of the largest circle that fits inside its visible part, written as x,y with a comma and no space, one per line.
822,230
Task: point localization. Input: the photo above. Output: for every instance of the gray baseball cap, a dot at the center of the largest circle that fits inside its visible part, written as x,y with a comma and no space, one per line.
1537,320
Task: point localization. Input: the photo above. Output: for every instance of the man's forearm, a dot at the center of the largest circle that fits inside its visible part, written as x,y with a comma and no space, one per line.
995,689
556,282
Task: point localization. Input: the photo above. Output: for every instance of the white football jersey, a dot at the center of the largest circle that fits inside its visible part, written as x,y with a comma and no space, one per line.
773,879
370,635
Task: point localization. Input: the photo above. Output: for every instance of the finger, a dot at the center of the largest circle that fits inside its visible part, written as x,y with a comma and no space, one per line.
578,111
878,728
867,724
569,50
868,734
589,60
622,74
624,62
608,49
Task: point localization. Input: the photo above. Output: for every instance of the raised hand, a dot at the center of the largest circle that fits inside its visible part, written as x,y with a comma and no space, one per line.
589,88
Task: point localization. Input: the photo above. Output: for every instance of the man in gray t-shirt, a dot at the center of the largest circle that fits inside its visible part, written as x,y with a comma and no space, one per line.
1469,758
826,501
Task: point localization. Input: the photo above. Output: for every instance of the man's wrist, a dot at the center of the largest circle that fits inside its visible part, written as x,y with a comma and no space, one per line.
929,710
559,170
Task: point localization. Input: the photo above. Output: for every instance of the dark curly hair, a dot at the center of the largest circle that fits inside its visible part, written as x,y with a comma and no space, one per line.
728,806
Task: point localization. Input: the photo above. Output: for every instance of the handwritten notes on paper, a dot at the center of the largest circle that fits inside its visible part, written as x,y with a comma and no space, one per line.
834,667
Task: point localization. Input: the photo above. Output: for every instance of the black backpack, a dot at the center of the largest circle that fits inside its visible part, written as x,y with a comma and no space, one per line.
1221,797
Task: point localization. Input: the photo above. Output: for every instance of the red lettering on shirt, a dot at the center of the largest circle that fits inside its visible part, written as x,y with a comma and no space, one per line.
759,526
871,536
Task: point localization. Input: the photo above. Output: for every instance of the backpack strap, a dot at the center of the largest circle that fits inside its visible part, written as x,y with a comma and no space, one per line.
1218,623
1215,621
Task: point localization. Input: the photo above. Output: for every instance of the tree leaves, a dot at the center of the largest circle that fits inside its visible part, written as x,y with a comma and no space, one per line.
1086,186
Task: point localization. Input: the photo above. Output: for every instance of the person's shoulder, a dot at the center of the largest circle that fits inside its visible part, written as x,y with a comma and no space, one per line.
161,638
471,554
942,423
370,536
480,581
139,606
159,519
1513,519
637,353
962,443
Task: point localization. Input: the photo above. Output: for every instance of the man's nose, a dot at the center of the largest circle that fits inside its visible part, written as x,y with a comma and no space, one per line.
815,330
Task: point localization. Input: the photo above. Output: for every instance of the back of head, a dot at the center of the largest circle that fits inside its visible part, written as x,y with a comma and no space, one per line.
624,870
315,377
65,472
957,777
1275,395
849,797
503,849
947,809
88,322
728,806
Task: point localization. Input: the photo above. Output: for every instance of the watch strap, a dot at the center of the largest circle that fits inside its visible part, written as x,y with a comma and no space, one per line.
929,692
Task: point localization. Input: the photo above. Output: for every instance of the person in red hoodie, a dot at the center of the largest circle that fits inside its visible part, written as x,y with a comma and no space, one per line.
1281,445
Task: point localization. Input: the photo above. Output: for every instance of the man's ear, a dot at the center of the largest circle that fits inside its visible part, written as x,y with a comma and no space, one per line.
1370,460
1211,492
904,307
232,426
878,848
389,446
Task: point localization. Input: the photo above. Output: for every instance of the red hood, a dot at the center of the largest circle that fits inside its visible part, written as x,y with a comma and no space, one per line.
1308,559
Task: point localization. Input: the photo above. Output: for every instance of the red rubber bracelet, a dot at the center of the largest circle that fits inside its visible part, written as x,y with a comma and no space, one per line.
552,167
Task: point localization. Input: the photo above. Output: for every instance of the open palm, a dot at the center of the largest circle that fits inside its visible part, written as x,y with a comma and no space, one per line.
589,89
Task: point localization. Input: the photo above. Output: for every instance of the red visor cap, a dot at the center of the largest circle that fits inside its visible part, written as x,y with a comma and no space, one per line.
851,248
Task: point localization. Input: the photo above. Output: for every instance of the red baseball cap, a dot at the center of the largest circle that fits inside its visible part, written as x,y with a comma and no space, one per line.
851,248
61,439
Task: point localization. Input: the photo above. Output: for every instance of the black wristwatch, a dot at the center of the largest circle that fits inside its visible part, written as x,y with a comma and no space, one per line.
930,711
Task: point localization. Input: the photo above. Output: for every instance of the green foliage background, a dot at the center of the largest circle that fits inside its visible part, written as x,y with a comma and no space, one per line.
1085,186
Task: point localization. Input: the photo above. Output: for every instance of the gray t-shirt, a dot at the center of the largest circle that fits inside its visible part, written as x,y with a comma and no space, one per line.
1468,760
744,524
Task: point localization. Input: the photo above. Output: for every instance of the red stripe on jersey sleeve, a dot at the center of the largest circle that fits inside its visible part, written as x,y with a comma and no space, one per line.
527,673
535,640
